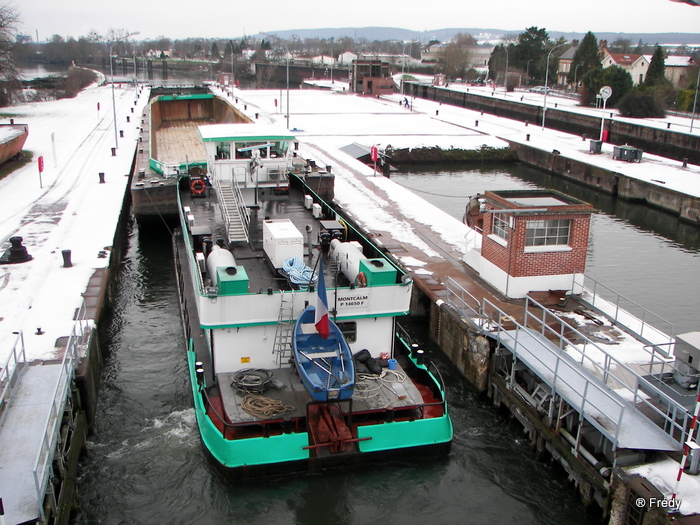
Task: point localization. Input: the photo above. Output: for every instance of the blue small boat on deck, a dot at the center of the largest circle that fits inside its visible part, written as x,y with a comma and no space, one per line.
325,366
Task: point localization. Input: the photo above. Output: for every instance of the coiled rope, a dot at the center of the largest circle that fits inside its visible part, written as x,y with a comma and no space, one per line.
369,385
251,380
264,407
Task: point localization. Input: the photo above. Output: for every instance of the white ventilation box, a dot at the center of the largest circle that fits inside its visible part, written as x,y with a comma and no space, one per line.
316,210
308,201
282,240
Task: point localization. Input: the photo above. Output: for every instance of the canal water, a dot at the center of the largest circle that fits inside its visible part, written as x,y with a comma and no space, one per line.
145,463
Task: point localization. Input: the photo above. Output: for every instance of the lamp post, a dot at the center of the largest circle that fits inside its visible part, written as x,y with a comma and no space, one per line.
695,101
403,63
279,41
111,72
505,82
546,80
232,74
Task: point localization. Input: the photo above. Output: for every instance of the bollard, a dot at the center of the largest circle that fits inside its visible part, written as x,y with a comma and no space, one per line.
132,110
583,137
257,115
436,112
128,118
668,125
66,259
527,137
114,152
102,176
245,107
685,162
12,122
527,123
121,133
555,104
476,124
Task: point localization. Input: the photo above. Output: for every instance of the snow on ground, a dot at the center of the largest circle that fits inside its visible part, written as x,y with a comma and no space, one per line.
67,209
662,474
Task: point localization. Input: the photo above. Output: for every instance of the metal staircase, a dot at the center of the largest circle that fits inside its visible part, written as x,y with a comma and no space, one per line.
234,211
285,328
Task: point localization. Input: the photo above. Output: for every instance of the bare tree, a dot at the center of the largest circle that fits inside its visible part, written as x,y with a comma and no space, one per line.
456,55
8,30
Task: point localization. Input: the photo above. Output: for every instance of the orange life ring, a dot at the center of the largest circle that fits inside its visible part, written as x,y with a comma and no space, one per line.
197,187
362,279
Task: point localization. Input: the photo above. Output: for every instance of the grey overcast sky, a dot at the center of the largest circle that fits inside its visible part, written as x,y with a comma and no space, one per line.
235,18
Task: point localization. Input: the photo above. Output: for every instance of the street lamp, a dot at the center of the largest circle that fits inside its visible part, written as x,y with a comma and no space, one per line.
695,101
403,63
279,40
505,83
546,80
111,71
230,42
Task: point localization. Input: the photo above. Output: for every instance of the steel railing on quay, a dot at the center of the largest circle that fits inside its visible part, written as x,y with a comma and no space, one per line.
624,312
464,302
553,328
10,374
77,345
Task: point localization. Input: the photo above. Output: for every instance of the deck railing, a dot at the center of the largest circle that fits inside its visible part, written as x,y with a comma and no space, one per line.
625,312
574,345
10,374
77,345
464,302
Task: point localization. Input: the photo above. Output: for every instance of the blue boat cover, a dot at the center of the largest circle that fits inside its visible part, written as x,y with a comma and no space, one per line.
298,273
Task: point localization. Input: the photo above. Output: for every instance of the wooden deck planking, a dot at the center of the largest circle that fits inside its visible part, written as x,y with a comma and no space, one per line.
178,141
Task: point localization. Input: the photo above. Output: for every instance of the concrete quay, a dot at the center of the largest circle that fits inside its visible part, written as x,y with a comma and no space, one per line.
70,219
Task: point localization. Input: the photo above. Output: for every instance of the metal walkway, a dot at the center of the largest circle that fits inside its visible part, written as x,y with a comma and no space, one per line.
603,407
34,401
604,391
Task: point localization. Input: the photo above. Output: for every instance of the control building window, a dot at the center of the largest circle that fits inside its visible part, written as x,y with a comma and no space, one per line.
501,225
547,233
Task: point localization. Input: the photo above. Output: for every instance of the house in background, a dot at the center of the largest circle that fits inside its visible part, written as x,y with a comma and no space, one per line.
678,69
564,66
636,65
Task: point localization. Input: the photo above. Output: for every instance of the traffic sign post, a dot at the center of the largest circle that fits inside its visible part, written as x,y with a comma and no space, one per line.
605,93
41,169
374,155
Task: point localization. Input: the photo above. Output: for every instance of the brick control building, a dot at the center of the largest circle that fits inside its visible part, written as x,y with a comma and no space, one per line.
531,241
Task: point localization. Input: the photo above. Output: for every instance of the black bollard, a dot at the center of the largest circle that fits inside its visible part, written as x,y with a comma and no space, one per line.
66,258
114,152
102,176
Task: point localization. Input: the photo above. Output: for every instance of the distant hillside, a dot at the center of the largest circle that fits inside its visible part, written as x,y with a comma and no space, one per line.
443,35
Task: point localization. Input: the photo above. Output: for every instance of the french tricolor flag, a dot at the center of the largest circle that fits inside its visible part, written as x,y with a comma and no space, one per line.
321,320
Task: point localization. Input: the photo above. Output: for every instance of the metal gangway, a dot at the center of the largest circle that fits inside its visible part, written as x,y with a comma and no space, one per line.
234,211
603,389
31,417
